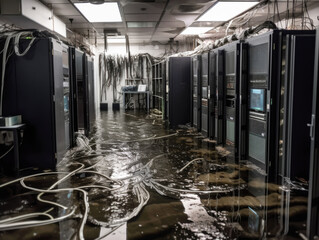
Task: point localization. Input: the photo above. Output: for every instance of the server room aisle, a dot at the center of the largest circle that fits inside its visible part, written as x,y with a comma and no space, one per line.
137,180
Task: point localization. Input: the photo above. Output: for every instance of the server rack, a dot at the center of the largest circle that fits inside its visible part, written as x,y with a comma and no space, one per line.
265,65
261,84
204,95
70,75
91,95
81,83
220,97
313,195
233,79
212,94
196,92
43,111
159,87
178,101
74,96
67,96
242,118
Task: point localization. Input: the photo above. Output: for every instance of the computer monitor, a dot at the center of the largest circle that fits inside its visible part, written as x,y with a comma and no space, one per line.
257,99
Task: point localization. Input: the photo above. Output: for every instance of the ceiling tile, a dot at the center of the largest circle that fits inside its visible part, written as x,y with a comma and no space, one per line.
142,17
55,1
171,24
65,9
144,8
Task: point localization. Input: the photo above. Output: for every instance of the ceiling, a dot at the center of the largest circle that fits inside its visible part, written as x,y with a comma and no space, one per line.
152,20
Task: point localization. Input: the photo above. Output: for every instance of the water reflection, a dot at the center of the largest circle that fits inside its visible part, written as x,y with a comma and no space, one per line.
143,181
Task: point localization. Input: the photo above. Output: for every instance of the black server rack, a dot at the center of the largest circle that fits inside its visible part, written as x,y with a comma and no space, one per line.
196,92
220,94
242,118
73,96
204,95
265,65
233,79
164,89
81,91
91,95
299,69
212,68
67,96
178,101
313,194
34,88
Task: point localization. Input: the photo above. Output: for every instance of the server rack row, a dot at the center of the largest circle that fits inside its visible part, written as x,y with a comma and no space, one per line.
51,114
256,97
260,103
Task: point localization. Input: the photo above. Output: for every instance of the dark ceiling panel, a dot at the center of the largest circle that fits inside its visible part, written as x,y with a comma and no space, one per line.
171,24
142,17
143,8
64,9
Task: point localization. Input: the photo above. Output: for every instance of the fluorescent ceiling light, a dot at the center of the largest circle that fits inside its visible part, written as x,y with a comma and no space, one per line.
141,24
115,39
106,12
224,11
195,30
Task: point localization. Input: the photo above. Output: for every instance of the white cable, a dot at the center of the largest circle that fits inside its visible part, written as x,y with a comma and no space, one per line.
17,41
26,216
194,160
85,199
35,223
4,60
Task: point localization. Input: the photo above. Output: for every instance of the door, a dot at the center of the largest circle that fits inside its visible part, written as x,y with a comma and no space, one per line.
313,203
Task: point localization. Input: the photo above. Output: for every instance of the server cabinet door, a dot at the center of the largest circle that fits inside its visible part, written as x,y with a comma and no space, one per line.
204,95
80,89
199,93
313,203
163,74
194,91
212,95
86,107
66,95
179,88
59,100
299,106
91,93
243,104
73,96
221,89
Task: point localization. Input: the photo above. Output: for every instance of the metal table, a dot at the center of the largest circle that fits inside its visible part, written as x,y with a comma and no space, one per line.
147,93
15,129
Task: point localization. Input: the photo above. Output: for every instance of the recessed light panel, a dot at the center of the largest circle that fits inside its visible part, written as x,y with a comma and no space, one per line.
106,12
224,11
116,39
195,30
141,24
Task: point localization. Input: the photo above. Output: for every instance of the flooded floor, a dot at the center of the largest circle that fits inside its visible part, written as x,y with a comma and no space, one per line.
135,179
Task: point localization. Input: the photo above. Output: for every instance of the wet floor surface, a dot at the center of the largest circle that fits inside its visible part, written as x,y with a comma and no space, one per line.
135,179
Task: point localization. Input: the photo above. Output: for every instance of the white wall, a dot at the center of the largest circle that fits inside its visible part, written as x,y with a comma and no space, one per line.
120,49
314,14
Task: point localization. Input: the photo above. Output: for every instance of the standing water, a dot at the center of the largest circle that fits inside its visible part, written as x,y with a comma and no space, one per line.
135,179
